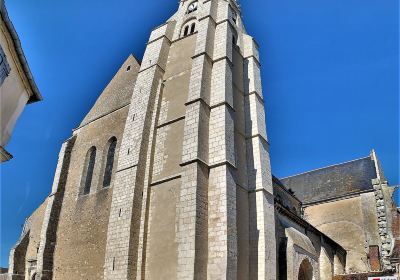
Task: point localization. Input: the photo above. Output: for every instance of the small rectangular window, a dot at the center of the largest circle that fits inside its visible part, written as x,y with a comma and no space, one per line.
4,67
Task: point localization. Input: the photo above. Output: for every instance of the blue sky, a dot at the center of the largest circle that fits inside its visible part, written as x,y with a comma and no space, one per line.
330,77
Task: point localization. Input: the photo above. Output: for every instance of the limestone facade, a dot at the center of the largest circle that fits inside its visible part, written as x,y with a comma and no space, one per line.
183,137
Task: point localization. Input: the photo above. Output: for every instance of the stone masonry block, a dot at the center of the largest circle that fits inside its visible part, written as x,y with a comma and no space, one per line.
192,222
262,236
223,41
56,181
118,237
223,11
258,165
125,213
255,117
221,136
205,38
141,264
156,53
250,47
196,122
208,8
222,232
200,80
146,88
221,83
252,76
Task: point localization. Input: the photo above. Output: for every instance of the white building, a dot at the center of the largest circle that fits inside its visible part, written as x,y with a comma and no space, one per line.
17,86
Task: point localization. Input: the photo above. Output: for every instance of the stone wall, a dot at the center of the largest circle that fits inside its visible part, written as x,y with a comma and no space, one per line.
35,225
84,218
345,222
300,244
23,256
361,223
125,227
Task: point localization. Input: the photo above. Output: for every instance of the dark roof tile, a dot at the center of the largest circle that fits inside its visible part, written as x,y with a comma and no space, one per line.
333,181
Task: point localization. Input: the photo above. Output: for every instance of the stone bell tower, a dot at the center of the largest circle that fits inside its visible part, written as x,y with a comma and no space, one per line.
192,195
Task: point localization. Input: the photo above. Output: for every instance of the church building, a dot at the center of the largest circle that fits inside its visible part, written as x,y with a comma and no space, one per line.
168,177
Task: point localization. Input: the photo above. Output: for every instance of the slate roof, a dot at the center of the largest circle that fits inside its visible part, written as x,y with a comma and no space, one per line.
118,92
334,181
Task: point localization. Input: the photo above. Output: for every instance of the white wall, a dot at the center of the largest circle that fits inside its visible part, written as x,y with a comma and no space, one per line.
13,95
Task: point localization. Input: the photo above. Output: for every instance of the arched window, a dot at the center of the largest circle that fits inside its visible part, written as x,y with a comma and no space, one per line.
88,169
192,28
112,145
305,270
186,32
188,28
192,7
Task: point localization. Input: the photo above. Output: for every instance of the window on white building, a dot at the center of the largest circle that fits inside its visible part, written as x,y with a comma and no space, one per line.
4,67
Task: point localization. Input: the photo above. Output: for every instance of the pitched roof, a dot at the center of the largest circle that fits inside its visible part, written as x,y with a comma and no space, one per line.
117,93
333,181
34,91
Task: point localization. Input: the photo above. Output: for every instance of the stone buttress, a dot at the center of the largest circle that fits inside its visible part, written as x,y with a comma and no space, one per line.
45,256
124,223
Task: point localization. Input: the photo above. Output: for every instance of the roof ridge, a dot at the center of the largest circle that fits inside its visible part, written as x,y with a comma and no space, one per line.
325,167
